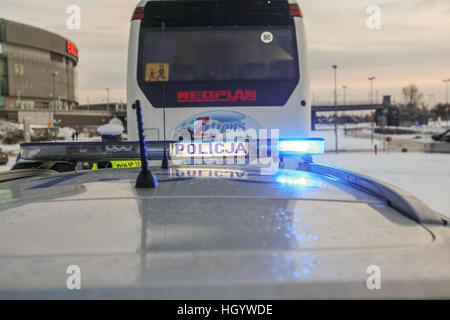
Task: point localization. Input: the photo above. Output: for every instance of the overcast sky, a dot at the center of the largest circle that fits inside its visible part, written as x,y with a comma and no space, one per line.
412,46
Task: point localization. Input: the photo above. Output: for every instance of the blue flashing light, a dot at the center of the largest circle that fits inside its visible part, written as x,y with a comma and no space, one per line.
301,146
299,179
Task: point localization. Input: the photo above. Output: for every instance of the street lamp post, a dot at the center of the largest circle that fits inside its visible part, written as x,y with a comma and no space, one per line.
345,93
335,110
108,90
19,103
54,74
371,89
446,81
371,101
345,104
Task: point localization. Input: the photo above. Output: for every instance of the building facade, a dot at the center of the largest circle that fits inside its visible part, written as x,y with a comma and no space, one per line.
37,72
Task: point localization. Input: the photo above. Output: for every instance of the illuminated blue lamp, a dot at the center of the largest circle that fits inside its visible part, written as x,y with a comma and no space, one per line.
305,146
300,180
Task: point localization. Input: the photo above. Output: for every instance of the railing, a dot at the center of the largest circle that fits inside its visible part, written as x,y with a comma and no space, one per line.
347,103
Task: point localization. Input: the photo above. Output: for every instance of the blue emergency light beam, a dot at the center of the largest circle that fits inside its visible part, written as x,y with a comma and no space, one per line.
145,178
308,146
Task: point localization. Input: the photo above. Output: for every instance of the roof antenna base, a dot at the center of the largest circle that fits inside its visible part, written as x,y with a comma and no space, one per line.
146,180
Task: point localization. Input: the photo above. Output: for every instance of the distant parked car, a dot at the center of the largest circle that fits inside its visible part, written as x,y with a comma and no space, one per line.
444,137
3,158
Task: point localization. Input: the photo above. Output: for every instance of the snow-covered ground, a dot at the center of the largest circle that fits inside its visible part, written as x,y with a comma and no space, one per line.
425,175
359,137
12,151
345,142
422,135
349,143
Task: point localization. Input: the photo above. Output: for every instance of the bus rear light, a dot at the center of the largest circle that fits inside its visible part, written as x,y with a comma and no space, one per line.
296,11
138,14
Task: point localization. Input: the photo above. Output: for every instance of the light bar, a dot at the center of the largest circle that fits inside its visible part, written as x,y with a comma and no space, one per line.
301,146
89,151
129,150
138,14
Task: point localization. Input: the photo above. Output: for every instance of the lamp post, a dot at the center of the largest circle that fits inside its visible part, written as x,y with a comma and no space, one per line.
108,90
54,74
19,103
335,110
371,101
446,81
345,93
345,104
371,89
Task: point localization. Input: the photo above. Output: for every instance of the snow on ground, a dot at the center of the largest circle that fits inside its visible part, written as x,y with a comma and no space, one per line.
421,136
344,142
7,125
352,142
66,133
11,162
14,148
326,131
425,175
12,151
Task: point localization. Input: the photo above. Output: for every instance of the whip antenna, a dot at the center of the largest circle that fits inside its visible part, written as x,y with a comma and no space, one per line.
145,178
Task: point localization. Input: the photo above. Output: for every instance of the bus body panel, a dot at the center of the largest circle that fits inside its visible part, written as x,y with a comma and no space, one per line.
292,119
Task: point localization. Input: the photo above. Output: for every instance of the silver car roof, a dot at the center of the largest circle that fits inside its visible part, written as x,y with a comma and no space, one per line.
211,233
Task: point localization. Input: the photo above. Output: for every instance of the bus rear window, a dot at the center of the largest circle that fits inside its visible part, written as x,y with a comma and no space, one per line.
218,54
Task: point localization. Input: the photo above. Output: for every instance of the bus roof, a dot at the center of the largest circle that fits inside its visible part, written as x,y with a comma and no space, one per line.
142,3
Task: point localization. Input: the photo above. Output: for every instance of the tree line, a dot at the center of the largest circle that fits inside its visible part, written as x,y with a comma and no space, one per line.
414,109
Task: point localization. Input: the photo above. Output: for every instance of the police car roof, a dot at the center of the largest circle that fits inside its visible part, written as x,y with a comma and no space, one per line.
223,231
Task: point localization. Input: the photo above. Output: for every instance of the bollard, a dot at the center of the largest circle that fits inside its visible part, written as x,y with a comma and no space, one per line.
376,149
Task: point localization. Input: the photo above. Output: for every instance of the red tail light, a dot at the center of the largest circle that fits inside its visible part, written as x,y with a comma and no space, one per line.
138,14
296,11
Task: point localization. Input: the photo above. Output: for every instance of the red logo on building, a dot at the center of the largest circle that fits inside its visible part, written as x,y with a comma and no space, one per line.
72,49
216,96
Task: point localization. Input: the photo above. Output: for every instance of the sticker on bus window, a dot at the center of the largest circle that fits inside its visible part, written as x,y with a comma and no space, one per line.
267,37
157,72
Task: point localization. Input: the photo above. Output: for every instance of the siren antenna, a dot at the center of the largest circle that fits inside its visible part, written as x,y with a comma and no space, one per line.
145,178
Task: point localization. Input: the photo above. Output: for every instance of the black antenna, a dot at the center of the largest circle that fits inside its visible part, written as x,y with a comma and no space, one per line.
145,178
165,161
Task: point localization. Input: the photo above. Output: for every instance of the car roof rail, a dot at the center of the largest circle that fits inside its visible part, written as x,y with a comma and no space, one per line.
400,200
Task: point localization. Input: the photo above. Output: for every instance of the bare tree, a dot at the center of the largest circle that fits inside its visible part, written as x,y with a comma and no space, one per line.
413,97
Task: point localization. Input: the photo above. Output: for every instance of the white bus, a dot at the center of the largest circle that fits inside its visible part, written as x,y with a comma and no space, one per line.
223,64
